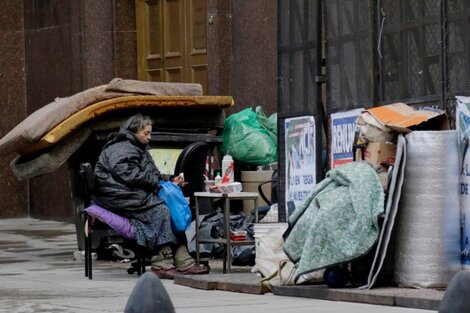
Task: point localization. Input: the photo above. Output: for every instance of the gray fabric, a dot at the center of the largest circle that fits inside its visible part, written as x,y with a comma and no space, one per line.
149,296
211,226
25,167
456,298
337,222
50,160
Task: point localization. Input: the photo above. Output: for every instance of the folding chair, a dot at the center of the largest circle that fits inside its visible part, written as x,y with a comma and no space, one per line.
93,220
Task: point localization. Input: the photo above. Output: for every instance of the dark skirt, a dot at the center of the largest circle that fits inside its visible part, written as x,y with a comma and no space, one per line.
153,227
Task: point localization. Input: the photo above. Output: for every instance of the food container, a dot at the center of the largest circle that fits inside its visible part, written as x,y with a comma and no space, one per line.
208,184
228,188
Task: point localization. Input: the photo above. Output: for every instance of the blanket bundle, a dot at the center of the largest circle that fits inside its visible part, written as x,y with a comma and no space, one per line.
338,221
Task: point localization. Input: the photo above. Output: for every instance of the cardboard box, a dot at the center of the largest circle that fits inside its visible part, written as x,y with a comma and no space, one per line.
371,129
378,152
404,119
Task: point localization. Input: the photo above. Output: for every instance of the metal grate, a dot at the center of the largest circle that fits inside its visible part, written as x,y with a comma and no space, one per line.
376,52
422,52
414,65
297,73
348,62
410,52
458,47
297,56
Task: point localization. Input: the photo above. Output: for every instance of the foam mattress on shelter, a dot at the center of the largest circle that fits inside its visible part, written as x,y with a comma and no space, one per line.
50,124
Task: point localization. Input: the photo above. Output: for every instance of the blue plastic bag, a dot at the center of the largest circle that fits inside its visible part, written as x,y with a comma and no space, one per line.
180,211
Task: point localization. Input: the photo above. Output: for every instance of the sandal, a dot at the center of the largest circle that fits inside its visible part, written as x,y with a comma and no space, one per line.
196,270
165,273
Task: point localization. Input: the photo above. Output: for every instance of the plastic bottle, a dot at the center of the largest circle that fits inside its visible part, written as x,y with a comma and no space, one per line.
227,169
217,179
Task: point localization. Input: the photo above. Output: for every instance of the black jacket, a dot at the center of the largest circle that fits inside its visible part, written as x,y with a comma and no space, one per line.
125,175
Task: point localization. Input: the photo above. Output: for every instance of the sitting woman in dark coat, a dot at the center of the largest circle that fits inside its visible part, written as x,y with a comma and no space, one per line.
127,182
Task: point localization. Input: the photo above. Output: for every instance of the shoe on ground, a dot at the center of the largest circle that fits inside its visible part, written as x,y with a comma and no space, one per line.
196,270
165,273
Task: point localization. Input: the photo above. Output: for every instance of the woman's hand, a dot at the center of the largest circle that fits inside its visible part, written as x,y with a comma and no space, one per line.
179,180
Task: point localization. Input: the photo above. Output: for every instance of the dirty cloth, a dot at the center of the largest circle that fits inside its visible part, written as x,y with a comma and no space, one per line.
337,222
51,159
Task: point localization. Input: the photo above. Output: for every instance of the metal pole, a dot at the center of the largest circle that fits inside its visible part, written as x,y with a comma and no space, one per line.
373,53
443,61
321,122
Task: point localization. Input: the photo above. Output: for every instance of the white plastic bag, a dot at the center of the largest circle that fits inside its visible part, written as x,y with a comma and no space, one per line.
271,261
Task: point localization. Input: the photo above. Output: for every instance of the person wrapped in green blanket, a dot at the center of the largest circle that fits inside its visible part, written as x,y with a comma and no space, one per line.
338,221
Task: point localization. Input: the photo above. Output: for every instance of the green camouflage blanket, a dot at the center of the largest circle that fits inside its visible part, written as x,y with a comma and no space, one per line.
337,222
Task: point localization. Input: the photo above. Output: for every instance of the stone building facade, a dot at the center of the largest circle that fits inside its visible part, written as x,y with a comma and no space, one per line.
55,48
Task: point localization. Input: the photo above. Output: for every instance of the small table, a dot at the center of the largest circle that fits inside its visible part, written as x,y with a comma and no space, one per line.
226,241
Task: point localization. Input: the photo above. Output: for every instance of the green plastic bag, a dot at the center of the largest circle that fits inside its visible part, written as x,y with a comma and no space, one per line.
268,123
250,137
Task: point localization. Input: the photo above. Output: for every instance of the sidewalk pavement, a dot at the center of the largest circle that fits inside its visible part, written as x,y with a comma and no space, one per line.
39,274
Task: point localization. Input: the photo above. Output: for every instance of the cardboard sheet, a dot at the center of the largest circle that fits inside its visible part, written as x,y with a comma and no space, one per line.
404,119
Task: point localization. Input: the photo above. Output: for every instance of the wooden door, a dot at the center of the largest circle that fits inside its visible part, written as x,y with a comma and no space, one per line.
171,41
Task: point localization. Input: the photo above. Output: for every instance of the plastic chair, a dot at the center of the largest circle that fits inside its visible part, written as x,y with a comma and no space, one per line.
91,223
263,210
274,195
192,162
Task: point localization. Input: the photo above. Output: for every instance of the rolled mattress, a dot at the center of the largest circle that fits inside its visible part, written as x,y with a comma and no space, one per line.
427,249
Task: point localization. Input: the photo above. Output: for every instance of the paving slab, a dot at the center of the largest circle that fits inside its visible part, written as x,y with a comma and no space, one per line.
247,282
38,273
235,282
427,299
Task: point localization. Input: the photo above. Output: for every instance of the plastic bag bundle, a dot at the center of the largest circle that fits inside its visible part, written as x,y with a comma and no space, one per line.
250,137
